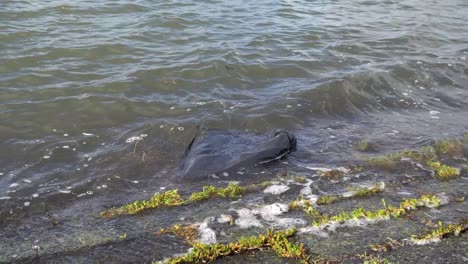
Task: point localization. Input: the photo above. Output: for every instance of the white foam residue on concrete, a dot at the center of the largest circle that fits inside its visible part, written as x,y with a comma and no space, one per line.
206,234
247,219
276,189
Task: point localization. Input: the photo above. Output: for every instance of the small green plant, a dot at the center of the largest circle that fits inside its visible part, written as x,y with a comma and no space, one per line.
441,232
363,146
172,198
451,147
165,199
386,213
305,205
326,199
187,232
276,241
232,191
123,236
443,171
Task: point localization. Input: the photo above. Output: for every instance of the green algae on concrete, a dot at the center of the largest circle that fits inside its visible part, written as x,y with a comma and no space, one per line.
443,171
441,232
275,240
451,147
305,205
232,191
386,213
358,192
172,198
327,199
188,232
165,199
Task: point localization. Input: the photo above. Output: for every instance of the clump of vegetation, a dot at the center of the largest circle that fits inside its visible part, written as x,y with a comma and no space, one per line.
276,241
165,199
390,162
364,146
326,199
386,213
448,148
359,192
172,198
232,191
426,200
443,171
371,259
451,147
386,163
305,205
332,174
187,232
387,246
441,232
296,178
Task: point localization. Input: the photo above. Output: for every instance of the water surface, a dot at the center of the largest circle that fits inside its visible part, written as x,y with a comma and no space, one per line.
79,79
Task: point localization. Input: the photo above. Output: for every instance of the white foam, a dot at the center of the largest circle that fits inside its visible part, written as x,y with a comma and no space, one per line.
422,242
306,191
224,218
206,234
135,138
313,230
5,198
14,185
247,219
276,189
87,134
271,211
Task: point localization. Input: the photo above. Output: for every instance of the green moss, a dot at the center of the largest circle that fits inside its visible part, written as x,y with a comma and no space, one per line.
443,171
258,186
326,199
371,259
451,147
232,191
390,162
165,199
359,192
172,198
363,145
386,163
332,174
276,241
187,232
385,213
297,178
441,232
304,205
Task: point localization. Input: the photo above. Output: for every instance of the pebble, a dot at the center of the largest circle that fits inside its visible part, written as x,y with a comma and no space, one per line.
27,203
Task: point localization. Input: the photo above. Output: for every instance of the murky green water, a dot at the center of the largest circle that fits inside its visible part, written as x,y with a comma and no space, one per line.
78,79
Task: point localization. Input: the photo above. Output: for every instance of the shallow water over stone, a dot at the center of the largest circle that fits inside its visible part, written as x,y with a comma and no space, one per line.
98,102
